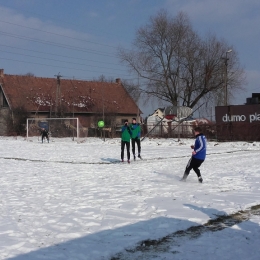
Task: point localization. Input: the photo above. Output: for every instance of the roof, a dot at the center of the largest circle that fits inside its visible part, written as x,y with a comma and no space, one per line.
39,94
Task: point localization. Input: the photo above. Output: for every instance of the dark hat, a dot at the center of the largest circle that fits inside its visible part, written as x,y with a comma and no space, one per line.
134,118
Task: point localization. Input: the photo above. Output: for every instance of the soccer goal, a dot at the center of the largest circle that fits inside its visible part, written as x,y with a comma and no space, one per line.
58,128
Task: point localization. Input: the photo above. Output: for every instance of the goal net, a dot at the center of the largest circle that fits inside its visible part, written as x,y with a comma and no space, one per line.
58,128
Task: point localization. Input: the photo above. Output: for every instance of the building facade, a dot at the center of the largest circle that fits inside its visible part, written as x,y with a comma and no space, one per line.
90,101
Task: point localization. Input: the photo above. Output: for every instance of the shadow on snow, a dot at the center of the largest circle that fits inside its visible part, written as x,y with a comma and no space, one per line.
106,244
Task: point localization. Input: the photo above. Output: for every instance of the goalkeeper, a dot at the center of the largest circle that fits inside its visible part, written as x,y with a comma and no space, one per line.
44,133
136,134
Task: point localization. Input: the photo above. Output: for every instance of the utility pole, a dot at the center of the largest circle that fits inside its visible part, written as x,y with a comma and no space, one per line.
72,101
103,107
138,98
226,78
58,97
103,111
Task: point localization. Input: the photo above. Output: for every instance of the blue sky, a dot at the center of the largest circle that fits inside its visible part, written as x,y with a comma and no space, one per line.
79,39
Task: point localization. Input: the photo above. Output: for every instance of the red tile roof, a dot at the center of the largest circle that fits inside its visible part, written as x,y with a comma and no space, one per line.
39,94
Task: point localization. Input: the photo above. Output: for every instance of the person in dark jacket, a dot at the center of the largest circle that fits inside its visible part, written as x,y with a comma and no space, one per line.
136,134
125,140
198,155
44,133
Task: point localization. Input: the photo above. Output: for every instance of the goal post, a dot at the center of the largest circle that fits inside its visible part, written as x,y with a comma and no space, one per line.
57,128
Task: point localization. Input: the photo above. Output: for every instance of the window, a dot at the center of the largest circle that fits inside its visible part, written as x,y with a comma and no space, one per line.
5,104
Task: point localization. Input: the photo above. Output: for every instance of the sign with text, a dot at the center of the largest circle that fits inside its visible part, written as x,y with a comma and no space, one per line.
240,122
240,113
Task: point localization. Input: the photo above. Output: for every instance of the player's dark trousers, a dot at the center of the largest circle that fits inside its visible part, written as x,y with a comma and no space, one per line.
138,142
123,144
193,164
46,137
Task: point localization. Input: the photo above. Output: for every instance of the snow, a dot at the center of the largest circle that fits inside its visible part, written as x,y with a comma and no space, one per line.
69,200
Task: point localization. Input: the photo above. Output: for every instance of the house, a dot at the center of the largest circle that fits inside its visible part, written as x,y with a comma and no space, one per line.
157,124
90,101
173,121
161,121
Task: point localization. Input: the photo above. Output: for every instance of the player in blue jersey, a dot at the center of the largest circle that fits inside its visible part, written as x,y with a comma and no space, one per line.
198,155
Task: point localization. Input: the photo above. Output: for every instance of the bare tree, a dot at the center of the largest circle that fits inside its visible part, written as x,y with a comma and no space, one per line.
132,89
103,78
29,74
177,65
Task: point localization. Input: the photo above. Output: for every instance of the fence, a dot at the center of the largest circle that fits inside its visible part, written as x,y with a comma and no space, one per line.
183,130
160,131
232,131
238,131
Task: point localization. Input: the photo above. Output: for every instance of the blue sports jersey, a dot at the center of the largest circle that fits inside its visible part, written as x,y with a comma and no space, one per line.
200,147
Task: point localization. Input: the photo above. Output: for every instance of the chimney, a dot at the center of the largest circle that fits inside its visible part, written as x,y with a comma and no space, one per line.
2,73
118,81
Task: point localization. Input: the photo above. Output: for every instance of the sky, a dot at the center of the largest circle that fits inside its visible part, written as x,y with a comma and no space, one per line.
80,39
65,200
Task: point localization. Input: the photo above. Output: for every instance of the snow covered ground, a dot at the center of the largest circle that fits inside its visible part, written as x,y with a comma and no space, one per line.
69,200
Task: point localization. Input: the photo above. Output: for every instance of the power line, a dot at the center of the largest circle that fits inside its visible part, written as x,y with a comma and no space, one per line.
70,77
55,54
65,46
50,17
92,79
39,30
27,55
55,66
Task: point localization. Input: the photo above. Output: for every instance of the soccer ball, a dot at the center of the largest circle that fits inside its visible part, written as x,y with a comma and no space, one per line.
101,124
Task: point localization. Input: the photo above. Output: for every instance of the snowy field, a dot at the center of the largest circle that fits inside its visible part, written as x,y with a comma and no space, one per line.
69,200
